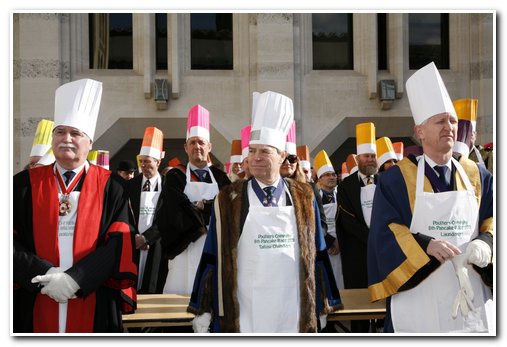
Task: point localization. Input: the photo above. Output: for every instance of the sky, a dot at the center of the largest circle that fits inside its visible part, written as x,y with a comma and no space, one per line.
207,6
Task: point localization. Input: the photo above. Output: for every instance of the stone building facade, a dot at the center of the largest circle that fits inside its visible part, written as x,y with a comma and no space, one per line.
271,51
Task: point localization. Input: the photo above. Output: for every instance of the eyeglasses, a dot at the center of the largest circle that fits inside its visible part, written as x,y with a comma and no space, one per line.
332,174
292,158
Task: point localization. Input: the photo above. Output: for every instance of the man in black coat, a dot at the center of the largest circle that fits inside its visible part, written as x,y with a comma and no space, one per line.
145,197
188,196
353,226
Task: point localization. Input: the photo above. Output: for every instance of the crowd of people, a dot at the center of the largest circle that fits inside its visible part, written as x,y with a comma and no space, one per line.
267,245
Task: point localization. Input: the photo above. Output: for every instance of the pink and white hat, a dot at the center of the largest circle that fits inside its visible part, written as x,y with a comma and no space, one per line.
198,122
290,141
245,140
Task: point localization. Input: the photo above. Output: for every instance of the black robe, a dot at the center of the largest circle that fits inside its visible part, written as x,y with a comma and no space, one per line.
155,271
101,272
352,233
179,221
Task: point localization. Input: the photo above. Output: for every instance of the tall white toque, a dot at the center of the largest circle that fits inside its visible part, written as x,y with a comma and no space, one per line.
271,120
427,94
77,105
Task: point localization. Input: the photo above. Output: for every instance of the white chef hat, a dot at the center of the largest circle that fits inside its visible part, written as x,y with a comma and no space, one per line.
427,94
272,118
77,105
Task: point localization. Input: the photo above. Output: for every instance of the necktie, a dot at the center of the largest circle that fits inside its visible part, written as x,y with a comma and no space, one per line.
69,175
369,180
146,186
442,174
269,196
329,198
202,174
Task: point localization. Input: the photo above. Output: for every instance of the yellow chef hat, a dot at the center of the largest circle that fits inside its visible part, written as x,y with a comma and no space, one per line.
365,138
466,110
385,151
322,164
42,139
92,157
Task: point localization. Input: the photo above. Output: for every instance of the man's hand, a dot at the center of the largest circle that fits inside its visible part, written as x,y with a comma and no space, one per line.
335,248
479,253
442,250
200,324
58,286
141,243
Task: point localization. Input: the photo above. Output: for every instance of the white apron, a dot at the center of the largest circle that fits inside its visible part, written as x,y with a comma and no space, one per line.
453,217
66,226
182,269
268,271
147,207
367,193
336,260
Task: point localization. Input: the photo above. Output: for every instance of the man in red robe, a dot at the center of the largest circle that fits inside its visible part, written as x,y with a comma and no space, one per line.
73,259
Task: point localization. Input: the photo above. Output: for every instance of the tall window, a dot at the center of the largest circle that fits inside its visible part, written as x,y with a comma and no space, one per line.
211,41
332,41
110,40
428,39
382,41
161,40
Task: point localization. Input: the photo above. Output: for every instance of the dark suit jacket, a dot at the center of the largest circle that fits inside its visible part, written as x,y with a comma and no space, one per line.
155,271
179,221
352,233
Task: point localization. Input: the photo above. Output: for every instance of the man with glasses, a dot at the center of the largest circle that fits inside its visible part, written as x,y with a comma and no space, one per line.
328,182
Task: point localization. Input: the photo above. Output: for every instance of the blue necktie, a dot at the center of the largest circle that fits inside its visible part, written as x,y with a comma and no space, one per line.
328,197
69,175
269,196
442,174
202,174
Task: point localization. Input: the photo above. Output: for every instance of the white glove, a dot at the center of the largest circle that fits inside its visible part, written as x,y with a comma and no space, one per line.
323,321
54,270
58,286
201,323
479,253
465,294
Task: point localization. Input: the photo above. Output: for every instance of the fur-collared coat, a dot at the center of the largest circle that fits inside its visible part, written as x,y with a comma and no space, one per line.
319,294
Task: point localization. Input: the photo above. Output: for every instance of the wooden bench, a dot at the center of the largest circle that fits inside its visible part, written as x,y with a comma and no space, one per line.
163,310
